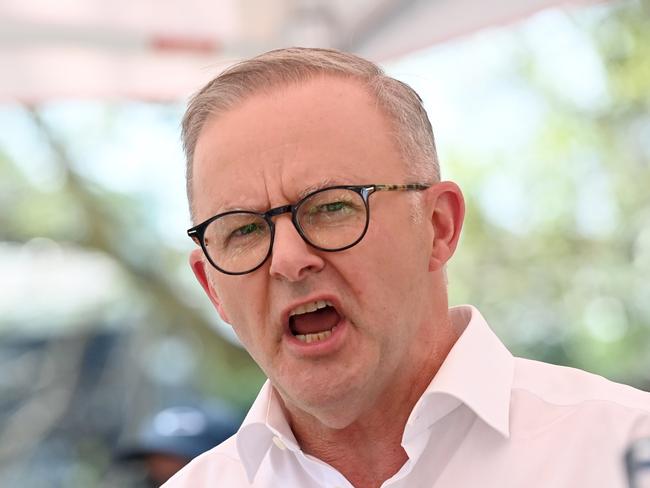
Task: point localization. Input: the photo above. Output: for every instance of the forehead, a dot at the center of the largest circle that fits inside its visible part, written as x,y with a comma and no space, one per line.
273,145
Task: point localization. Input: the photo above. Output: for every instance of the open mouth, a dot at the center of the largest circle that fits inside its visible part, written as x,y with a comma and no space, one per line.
313,322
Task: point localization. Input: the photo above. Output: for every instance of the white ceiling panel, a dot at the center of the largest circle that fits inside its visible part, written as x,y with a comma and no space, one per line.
148,49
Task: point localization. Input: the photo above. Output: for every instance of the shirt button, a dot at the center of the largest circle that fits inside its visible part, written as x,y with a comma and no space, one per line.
278,442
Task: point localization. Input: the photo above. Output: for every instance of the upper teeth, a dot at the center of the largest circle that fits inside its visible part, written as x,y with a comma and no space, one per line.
310,307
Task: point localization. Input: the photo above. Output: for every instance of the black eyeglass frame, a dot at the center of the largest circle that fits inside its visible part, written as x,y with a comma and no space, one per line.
197,233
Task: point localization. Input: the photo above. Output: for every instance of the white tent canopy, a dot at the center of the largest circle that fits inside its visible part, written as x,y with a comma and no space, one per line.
152,50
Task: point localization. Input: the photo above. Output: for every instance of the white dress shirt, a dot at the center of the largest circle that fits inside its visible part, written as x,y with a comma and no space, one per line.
487,419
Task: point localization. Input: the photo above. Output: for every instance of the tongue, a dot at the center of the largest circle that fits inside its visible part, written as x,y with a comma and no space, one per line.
314,322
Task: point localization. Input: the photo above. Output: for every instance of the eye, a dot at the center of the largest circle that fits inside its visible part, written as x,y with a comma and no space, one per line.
252,230
247,229
329,207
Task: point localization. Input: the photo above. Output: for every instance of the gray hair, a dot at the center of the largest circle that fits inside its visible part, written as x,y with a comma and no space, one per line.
412,129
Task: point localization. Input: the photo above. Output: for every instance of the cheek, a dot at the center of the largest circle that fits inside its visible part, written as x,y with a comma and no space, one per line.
395,260
397,246
244,337
248,331
370,274
243,302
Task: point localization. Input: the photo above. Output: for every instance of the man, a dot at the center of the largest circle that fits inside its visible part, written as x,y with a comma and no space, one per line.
174,436
324,230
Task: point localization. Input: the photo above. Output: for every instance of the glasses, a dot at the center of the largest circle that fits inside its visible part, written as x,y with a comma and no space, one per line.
330,219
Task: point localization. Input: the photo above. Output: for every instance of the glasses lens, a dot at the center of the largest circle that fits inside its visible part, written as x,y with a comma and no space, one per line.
333,219
238,242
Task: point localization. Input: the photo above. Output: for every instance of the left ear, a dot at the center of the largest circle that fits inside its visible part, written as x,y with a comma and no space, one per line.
447,212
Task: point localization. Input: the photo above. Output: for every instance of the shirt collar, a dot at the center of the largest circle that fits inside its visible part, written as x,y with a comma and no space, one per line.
265,420
477,372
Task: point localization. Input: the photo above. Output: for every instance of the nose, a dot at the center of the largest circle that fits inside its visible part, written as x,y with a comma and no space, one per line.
292,258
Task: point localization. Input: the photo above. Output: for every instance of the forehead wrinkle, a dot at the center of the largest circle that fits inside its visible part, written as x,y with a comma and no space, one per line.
292,156
215,202
258,201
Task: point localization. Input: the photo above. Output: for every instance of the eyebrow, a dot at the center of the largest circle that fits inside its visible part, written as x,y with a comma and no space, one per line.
327,182
223,207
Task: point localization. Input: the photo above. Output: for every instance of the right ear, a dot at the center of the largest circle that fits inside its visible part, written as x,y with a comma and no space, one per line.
200,265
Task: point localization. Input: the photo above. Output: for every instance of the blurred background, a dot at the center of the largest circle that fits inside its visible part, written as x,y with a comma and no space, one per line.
541,111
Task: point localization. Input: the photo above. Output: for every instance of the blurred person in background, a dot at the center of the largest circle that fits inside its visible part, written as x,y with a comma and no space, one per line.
324,230
174,436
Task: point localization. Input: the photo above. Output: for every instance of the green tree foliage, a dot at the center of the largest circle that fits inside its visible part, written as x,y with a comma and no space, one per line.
561,266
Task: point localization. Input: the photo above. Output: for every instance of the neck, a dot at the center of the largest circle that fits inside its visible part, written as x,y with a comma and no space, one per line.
369,450
365,455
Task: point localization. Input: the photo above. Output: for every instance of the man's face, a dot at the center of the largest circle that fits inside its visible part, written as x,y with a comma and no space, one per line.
265,153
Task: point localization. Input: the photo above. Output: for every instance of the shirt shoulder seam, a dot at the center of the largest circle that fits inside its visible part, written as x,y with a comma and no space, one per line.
586,401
